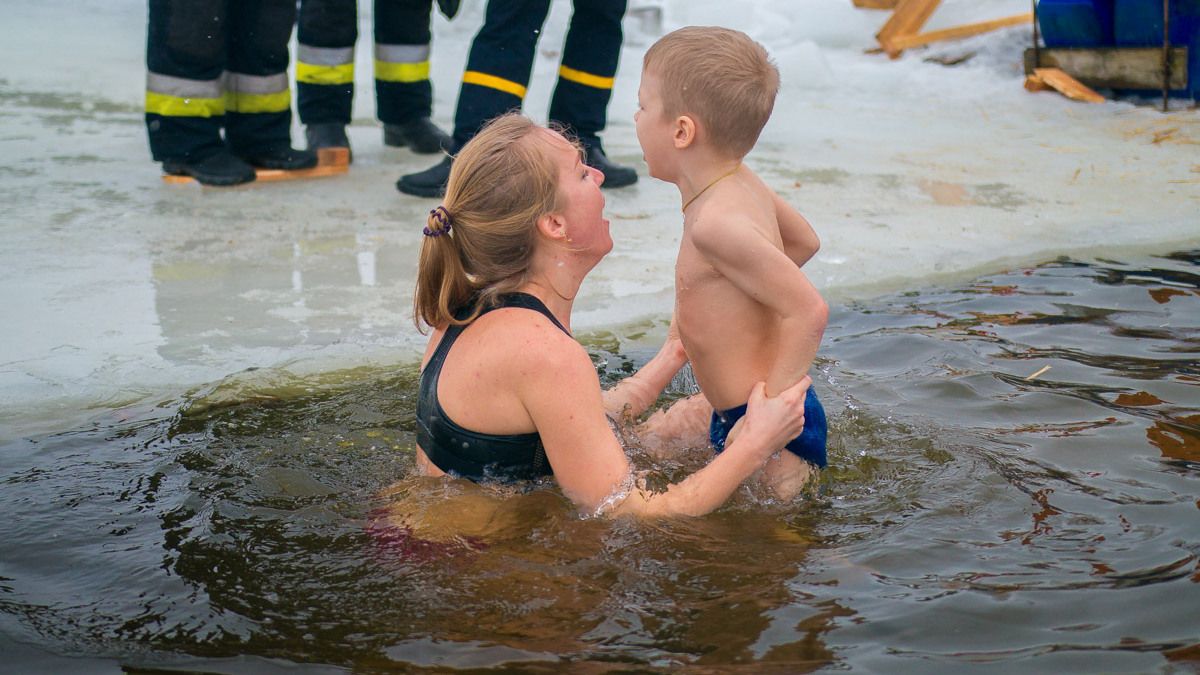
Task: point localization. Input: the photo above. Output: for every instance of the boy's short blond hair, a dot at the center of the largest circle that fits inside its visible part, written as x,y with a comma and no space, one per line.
719,76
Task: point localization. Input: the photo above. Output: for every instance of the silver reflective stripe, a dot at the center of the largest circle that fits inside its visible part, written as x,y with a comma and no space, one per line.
402,53
256,84
183,88
325,56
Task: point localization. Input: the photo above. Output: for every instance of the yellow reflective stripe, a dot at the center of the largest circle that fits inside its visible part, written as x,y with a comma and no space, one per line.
583,78
242,102
387,71
309,73
179,106
493,82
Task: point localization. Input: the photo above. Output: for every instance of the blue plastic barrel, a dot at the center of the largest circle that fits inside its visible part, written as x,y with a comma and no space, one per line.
1076,23
1139,23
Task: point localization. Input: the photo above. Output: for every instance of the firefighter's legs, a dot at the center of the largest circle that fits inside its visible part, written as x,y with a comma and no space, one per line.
327,31
585,81
499,64
258,96
403,93
186,56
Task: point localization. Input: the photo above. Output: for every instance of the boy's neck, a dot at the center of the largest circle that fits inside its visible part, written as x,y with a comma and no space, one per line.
700,171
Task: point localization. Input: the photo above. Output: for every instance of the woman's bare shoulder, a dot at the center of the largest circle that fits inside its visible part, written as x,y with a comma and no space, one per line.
528,337
544,365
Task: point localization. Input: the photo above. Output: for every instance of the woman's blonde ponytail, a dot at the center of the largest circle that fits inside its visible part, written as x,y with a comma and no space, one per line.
479,242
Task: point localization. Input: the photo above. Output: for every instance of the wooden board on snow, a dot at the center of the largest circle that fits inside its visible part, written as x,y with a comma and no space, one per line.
330,162
1064,84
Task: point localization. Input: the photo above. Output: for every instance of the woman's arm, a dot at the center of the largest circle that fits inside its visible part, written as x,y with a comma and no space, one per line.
562,394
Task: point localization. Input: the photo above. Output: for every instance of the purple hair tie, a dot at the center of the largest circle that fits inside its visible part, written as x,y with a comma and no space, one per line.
438,223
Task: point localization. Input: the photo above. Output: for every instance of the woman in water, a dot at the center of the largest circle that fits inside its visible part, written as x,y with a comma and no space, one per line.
506,393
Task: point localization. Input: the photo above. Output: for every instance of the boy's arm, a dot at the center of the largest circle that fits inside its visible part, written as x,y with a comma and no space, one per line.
633,395
800,241
737,249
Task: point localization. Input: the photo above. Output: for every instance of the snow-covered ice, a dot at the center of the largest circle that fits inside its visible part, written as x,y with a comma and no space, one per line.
119,290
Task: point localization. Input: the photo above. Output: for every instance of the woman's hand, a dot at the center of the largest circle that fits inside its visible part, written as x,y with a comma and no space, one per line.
771,422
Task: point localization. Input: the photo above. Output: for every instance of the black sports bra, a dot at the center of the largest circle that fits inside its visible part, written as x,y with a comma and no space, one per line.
470,454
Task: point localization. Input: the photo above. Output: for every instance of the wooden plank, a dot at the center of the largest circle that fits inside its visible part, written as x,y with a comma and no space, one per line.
909,17
272,175
330,162
1067,85
1035,83
902,42
876,4
1114,67
333,157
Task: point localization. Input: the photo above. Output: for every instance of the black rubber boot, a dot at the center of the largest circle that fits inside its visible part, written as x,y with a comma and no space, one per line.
422,136
220,169
428,183
615,175
282,157
326,135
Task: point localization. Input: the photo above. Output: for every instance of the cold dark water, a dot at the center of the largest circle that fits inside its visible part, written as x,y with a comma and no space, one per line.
974,517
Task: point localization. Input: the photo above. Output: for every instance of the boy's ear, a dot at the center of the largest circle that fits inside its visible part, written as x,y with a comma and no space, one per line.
684,132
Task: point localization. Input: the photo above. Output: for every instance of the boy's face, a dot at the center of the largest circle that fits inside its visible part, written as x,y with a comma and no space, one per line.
654,128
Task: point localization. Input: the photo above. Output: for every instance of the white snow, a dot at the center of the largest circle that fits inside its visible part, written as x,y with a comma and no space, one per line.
120,290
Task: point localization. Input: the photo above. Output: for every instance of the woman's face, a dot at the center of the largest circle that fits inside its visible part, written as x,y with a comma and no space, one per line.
581,204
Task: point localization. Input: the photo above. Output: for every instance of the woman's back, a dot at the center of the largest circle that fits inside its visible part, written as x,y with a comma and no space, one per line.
470,419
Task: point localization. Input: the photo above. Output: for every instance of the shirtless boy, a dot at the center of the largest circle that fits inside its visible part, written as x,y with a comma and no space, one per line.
744,310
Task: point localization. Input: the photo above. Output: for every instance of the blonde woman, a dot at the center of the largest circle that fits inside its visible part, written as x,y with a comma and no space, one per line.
506,392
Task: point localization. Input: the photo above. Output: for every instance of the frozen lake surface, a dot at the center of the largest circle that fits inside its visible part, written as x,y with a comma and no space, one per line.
120,290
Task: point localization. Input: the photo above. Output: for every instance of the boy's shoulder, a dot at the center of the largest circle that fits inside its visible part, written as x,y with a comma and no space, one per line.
729,234
731,211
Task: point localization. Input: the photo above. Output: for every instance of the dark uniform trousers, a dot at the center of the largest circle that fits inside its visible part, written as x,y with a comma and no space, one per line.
501,60
325,62
214,63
